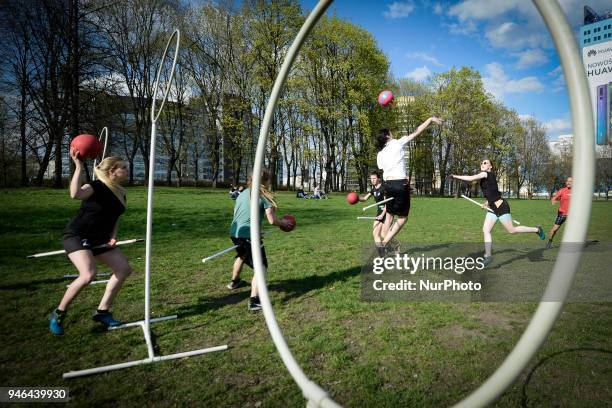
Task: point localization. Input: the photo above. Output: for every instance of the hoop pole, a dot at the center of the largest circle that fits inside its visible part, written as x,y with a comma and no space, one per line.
154,115
63,251
488,209
315,395
146,323
105,133
568,260
151,184
220,253
226,250
386,200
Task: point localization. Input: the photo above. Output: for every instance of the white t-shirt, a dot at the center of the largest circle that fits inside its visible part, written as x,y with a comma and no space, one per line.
392,159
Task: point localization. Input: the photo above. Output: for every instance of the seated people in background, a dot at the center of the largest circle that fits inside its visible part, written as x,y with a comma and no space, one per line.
300,192
316,191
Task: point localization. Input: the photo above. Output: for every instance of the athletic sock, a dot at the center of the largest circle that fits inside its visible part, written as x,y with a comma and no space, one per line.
60,316
102,311
488,248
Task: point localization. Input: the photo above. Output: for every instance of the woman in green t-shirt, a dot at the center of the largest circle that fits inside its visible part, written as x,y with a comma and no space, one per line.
240,234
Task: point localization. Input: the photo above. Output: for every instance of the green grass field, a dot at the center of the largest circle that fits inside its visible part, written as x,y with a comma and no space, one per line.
364,353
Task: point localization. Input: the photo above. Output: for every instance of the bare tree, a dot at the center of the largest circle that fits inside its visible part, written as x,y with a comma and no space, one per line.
135,32
207,59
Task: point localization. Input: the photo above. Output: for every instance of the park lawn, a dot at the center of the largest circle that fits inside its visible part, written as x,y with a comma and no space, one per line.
363,353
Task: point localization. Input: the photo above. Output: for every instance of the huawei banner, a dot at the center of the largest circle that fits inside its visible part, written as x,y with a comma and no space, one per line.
598,66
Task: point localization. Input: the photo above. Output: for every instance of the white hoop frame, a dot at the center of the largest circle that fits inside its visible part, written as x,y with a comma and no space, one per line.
567,262
146,323
104,132
176,34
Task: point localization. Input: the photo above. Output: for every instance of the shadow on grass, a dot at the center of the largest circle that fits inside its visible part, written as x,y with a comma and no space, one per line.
548,359
32,285
293,288
536,255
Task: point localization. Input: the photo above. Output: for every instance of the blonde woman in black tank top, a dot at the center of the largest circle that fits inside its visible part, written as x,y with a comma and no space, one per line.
103,202
500,207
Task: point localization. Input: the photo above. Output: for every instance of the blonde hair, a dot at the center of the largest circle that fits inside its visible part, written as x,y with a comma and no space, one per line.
263,187
103,170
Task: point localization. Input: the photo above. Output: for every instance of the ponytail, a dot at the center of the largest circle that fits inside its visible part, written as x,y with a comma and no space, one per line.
102,171
263,187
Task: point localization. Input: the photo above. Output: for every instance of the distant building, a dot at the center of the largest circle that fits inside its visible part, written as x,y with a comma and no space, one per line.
563,144
597,28
116,112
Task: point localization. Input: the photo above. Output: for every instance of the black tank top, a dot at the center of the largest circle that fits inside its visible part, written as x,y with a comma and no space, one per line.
489,188
97,215
379,195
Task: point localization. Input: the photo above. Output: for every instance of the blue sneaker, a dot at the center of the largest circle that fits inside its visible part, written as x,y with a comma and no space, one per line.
56,323
106,319
541,233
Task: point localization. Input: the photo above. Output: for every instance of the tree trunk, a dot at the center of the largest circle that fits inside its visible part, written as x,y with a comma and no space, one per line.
57,183
22,132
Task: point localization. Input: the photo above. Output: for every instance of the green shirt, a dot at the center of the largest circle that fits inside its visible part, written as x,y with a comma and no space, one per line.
241,224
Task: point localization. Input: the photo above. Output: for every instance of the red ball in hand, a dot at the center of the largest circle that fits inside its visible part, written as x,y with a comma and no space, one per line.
87,146
291,225
352,198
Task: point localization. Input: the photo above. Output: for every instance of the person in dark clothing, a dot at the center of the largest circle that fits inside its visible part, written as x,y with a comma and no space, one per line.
391,160
240,234
233,193
378,192
499,206
92,235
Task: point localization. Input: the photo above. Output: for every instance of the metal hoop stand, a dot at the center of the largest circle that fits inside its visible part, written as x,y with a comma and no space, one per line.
146,323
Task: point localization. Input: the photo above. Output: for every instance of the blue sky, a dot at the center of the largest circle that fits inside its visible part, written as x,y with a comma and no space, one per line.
506,40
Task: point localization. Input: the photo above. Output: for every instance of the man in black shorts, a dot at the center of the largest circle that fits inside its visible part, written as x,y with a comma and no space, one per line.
391,160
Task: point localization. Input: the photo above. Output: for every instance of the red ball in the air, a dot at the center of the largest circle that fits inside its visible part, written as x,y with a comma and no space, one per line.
352,198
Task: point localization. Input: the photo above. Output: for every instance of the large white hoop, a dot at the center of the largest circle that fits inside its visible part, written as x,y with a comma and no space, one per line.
154,115
566,265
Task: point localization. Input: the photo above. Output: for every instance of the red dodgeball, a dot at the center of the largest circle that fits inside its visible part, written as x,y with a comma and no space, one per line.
385,98
87,146
292,223
352,198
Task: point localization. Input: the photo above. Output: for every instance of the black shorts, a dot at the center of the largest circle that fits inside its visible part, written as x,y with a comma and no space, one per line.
243,250
400,191
560,218
504,208
73,243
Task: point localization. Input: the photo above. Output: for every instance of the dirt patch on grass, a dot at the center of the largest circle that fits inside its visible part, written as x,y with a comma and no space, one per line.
494,318
455,335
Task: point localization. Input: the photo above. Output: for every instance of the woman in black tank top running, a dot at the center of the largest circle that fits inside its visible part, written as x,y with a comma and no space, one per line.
95,224
500,209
